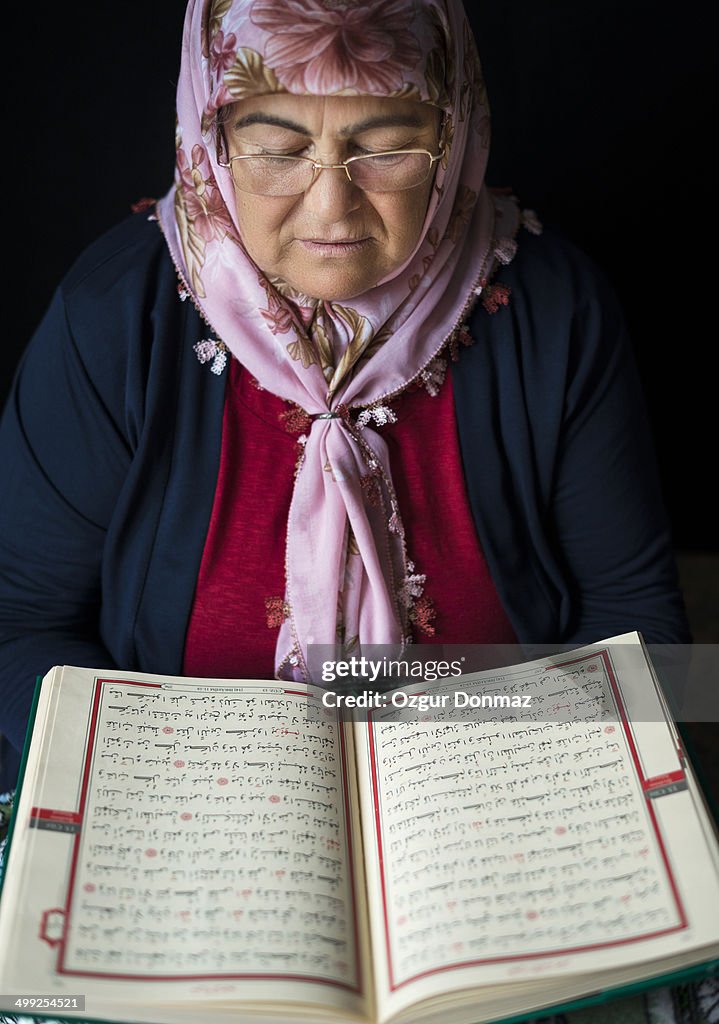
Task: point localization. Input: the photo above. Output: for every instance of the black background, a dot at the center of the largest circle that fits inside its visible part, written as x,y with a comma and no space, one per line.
602,123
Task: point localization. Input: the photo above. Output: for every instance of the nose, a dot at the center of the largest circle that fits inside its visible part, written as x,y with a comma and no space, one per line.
331,196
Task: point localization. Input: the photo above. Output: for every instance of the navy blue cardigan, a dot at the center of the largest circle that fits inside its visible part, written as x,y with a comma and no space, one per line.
110,444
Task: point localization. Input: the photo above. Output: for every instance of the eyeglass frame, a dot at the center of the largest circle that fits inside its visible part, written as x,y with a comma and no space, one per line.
318,167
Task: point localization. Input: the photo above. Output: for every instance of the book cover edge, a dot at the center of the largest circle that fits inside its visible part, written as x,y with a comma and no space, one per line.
695,972
21,777
608,995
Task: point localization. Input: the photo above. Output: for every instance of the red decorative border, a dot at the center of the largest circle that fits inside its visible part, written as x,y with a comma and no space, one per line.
659,781
646,785
55,814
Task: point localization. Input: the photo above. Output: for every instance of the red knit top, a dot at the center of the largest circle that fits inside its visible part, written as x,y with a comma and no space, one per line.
244,554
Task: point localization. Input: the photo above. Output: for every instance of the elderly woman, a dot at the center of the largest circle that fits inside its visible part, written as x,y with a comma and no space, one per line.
330,388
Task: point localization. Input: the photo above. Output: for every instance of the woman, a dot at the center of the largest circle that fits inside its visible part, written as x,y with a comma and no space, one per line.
331,387
235,434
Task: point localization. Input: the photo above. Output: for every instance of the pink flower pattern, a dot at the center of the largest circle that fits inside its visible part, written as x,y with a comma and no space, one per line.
282,316
222,52
205,207
325,46
279,318
219,98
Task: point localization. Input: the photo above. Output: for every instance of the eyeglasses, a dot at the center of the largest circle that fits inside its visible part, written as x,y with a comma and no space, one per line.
270,175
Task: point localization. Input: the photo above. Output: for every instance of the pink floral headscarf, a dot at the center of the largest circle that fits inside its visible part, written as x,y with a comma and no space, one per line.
349,576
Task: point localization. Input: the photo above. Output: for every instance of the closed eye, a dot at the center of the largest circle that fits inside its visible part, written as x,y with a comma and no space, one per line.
284,152
384,158
276,161
363,151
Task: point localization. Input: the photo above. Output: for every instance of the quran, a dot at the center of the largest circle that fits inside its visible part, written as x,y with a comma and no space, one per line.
194,849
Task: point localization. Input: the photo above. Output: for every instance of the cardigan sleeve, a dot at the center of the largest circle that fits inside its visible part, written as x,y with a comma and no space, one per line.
62,459
558,457
607,513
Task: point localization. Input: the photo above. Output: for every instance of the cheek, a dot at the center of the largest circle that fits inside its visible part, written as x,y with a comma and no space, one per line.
261,223
403,217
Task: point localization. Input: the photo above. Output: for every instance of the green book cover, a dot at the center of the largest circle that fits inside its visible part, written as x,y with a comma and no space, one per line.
21,776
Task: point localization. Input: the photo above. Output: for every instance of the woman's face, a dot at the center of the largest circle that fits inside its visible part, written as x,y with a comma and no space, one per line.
334,241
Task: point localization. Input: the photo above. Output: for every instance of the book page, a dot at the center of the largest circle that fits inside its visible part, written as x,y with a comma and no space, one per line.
559,837
190,831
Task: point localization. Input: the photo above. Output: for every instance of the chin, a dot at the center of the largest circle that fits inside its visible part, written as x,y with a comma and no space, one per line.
335,287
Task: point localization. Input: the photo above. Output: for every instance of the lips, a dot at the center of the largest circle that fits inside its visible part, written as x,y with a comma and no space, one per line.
334,247
334,241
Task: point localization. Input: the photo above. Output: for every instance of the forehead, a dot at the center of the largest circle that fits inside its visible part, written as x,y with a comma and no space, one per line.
340,114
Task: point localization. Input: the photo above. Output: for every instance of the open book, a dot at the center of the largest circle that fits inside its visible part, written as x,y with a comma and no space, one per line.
191,849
